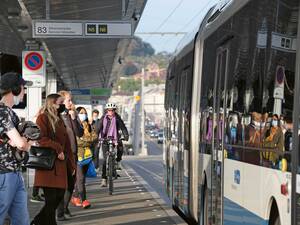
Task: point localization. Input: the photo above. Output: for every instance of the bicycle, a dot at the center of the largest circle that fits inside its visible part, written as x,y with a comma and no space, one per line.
111,169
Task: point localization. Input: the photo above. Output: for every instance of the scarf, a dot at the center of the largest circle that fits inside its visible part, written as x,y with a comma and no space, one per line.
112,130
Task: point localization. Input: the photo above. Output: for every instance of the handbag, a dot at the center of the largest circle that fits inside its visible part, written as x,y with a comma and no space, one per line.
41,158
86,158
91,172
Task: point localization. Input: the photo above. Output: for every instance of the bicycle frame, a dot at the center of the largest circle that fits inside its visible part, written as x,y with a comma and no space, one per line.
111,165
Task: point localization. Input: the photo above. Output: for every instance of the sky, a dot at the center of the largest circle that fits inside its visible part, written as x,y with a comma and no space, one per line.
171,16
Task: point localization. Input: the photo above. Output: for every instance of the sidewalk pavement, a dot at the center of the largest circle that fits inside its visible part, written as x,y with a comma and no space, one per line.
130,204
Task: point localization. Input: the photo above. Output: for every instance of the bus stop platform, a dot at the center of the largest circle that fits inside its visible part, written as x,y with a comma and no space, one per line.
130,204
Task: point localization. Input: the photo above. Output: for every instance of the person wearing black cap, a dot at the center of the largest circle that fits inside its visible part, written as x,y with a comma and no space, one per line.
13,196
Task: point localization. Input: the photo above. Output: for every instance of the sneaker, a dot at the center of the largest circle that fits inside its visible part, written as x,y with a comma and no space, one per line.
86,204
103,183
68,213
76,201
37,198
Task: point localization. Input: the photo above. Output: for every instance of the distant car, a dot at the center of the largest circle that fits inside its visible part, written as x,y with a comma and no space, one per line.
160,138
153,134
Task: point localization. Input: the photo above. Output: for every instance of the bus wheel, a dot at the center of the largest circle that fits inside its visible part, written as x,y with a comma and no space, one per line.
204,207
274,217
277,221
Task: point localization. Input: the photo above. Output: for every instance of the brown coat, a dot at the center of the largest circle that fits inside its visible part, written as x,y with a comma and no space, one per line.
74,129
56,178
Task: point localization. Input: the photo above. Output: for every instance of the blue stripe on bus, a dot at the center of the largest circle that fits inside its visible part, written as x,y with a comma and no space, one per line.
235,214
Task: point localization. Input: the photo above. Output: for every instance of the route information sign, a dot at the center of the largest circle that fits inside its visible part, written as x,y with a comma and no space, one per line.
81,29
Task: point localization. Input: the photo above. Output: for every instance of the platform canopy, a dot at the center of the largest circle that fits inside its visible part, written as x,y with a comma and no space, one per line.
78,62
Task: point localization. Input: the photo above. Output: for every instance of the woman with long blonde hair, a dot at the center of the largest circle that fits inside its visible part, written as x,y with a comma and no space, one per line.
54,136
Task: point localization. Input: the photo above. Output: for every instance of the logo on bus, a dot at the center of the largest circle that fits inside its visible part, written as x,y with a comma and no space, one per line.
237,176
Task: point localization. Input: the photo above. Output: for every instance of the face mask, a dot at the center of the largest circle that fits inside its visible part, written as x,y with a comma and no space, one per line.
263,124
61,108
282,122
82,117
16,100
95,118
274,123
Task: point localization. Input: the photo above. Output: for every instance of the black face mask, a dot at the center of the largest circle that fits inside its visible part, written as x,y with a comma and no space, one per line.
61,108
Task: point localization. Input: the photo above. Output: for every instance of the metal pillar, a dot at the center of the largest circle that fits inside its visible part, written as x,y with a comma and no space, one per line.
143,147
34,102
137,122
51,86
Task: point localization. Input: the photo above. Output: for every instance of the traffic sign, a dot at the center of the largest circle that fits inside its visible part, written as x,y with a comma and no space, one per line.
34,61
34,67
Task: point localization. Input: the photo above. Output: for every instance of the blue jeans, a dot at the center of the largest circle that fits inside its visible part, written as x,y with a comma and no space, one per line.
13,199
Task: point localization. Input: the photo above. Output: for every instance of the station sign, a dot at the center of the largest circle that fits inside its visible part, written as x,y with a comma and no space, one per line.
81,29
34,67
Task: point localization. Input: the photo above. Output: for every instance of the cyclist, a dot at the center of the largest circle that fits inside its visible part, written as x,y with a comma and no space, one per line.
111,125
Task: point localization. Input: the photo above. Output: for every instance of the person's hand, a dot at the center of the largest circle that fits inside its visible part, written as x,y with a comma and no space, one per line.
73,173
33,143
61,156
72,113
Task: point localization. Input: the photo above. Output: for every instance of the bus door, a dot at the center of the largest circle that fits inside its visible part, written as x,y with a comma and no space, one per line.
183,149
219,110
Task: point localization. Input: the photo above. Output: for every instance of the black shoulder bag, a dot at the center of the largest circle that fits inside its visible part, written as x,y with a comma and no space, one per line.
41,158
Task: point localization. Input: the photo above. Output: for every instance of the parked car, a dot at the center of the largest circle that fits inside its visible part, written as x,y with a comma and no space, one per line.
160,138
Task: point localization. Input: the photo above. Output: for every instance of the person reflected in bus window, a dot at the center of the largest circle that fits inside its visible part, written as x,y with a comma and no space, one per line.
274,140
246,120
220,125
254,130
282,124
288,135
253,137
209,126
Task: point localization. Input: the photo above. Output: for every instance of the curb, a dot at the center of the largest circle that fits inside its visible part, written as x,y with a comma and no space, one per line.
170,212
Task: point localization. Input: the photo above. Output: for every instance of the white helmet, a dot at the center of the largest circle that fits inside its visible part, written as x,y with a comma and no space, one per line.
110,106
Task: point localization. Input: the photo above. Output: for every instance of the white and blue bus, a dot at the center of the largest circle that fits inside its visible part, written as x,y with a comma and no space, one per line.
232,116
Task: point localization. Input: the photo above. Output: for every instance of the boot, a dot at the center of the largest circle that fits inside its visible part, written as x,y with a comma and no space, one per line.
103,183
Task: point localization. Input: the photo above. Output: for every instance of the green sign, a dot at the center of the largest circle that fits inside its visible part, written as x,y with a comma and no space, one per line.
103,29
101,92
91,29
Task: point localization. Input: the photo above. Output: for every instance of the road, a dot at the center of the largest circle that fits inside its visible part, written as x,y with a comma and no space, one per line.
150,168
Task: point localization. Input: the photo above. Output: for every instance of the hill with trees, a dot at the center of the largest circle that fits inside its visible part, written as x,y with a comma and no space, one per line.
142,55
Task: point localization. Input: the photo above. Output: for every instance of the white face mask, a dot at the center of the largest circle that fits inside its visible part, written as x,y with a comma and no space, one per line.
274,123
82,117
16,100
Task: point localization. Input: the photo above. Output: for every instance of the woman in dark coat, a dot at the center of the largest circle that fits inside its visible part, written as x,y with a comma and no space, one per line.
54,136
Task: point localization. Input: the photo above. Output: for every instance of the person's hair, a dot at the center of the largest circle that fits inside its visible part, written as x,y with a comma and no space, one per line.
64,93
96,111
50,111
78,109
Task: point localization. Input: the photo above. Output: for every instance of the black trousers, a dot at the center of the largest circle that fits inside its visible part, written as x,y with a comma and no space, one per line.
64,204
53,197
105,148
96,155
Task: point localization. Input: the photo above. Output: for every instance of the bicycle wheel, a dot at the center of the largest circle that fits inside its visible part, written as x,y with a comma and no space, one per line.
110,174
